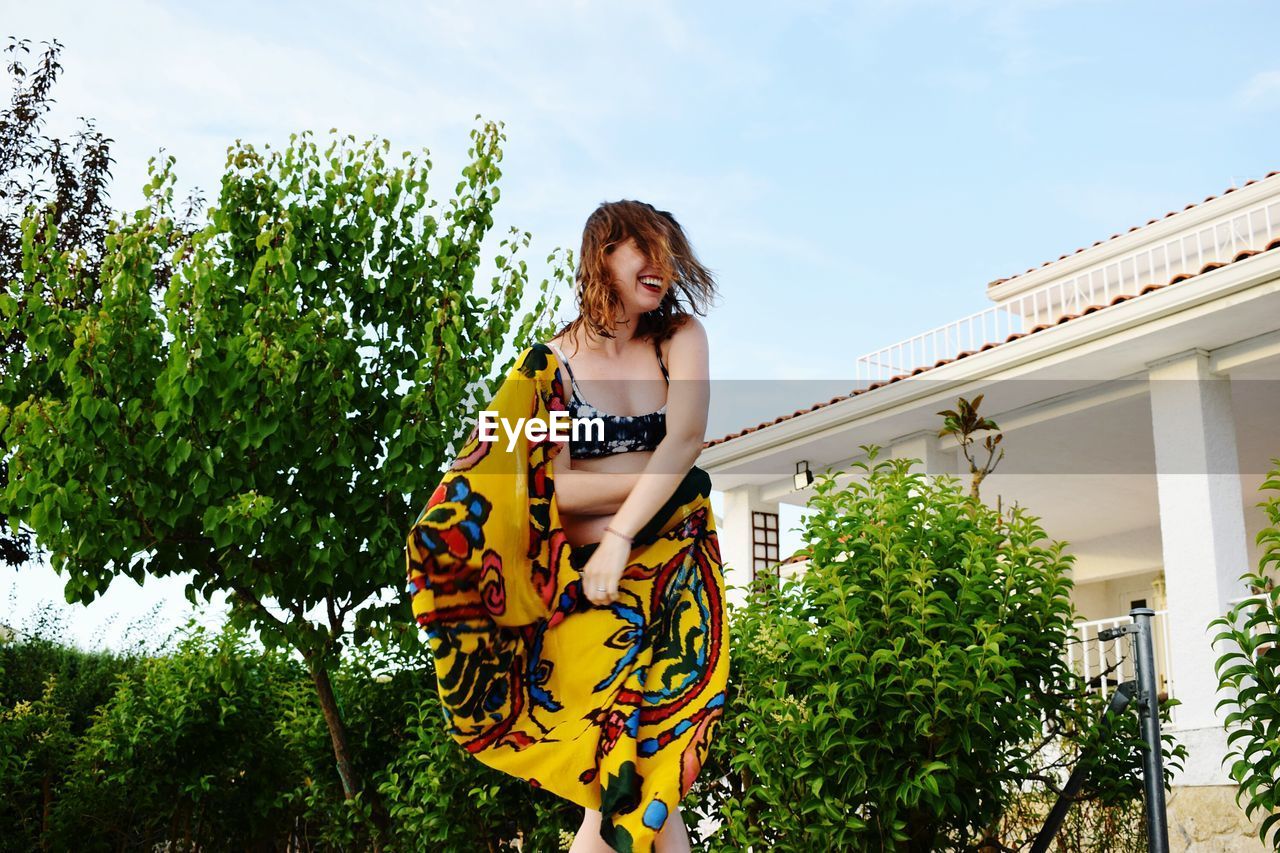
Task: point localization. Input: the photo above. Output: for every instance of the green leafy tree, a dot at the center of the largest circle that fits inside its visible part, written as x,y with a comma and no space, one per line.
1249,678
36,169
268,417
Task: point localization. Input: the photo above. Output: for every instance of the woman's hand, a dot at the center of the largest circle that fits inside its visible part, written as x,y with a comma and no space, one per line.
604,568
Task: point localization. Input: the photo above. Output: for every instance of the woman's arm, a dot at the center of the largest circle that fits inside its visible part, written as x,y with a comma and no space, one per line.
687,401
590,492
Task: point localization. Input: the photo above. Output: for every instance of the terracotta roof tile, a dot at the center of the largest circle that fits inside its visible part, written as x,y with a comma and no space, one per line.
1134,228
1065,318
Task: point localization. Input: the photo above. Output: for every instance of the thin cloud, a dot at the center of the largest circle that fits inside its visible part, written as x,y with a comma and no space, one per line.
1261,91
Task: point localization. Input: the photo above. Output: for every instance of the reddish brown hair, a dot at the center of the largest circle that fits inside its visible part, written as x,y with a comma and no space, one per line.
661,239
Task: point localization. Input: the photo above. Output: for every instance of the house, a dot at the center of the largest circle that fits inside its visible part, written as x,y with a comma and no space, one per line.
1135,383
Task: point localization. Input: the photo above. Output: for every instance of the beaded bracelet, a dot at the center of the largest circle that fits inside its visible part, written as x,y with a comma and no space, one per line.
630,539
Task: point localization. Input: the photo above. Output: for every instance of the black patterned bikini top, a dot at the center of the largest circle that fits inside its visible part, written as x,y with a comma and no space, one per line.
622,433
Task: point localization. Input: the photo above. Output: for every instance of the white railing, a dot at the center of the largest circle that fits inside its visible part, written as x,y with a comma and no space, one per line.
1105,664
945,342
1214,240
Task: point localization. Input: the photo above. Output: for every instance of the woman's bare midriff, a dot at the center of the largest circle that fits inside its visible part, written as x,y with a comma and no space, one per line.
585,529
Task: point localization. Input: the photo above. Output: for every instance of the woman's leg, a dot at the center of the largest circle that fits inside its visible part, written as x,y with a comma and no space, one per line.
674,836
588,839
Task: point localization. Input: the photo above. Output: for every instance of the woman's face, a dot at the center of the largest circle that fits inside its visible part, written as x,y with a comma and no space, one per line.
636,279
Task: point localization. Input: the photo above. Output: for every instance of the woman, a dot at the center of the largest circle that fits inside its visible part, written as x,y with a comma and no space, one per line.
577,619
636,266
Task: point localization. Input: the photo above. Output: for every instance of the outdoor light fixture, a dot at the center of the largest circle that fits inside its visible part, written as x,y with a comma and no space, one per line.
804,477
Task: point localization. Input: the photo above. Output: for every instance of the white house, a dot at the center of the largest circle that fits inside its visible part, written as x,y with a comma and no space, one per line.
1137,385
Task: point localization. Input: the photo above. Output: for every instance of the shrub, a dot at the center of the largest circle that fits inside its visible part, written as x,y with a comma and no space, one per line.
34,739
184,752
49,692
897,694
1249,678
216,744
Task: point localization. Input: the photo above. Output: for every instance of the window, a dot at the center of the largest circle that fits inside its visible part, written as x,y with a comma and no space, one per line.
764,544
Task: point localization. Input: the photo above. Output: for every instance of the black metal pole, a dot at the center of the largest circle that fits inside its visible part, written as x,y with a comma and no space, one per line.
1149,720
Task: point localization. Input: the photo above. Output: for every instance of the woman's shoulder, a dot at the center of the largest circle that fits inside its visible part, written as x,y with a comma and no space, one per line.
688,330
686,345
690,327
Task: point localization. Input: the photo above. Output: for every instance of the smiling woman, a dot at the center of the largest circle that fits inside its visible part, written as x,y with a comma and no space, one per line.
636,357
577,620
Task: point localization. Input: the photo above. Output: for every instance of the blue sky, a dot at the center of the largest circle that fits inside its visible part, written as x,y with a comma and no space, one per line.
854,172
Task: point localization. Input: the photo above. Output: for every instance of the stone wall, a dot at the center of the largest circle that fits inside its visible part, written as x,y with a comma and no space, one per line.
1206,818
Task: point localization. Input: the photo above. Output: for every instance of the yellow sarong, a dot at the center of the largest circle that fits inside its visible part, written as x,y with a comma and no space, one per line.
611,707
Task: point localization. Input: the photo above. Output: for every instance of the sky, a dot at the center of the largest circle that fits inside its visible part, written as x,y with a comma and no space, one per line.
854,173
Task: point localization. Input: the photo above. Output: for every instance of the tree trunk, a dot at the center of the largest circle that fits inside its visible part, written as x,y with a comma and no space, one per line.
186,828
342,753
172,831
337,731
46,797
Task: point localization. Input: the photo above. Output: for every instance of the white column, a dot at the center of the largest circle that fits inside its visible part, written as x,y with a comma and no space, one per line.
927,447
736,540
1203,538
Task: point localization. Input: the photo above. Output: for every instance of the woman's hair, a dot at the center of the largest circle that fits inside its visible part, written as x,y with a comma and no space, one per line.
659,237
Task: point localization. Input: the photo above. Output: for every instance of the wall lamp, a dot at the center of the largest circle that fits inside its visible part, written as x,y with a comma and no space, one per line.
803,477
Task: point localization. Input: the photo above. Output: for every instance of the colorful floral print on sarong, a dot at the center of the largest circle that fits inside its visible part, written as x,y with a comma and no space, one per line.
612,707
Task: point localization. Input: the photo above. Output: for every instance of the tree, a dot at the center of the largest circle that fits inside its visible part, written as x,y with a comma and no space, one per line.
36,170
911,683
268,417
962,422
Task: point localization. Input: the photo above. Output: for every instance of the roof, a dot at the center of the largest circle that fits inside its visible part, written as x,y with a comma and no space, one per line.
1134,228
1065,318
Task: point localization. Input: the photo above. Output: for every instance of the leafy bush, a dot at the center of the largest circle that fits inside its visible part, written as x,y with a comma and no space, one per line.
216,744
48,694
83,679
34,738
1249,678
185,751
897,694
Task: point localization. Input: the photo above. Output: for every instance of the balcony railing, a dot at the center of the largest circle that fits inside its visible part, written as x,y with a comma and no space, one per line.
1105,664
1219,239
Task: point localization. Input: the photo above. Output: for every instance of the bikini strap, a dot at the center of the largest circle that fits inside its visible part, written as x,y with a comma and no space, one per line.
564,361
573,380
658,349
